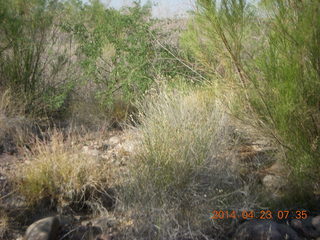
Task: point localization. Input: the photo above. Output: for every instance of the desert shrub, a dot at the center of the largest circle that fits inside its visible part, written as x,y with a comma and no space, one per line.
34,57
120,51
59,170
290,86
56,56
117,49
182,169
266,60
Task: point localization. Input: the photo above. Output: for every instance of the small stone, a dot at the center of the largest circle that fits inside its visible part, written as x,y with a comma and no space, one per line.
104,237
309,227
316,223
265,230
273,184
90,151
114,140
86,233
129,146
78,218
105,156
104,147
104,222
44,229
85,148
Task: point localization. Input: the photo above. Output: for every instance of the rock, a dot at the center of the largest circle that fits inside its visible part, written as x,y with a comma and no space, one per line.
274,179
44,229
103,222
114,140
316,222
66,220
128,146
272,183
86,233
264,230
104,237
90,151
104,147
309,227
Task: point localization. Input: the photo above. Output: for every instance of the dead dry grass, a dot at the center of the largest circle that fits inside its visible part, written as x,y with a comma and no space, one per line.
14,127
178,177
59,170
4,224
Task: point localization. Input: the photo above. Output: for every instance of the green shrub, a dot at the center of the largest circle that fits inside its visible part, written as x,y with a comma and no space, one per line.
116,49
55,54
120,50
267,60
34,63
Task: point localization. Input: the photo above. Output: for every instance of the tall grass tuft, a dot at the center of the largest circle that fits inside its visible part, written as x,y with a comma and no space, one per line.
60,171
4,224
182,169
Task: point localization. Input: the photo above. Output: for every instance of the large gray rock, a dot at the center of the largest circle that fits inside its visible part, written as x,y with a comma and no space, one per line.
44,229
309,227
265,230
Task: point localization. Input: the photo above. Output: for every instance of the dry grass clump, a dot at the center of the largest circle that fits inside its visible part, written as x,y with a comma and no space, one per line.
59,170
179,175
4,105
4,224
14,127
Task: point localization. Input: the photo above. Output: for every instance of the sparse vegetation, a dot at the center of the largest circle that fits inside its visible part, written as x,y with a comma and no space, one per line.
182,169
61,172
197,98
14,126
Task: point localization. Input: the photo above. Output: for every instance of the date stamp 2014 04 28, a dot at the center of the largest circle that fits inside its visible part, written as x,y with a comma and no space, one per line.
261,214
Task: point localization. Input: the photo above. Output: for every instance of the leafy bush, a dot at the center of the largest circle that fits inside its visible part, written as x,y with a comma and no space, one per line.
181,171
56,55
121,52
267,60
116,48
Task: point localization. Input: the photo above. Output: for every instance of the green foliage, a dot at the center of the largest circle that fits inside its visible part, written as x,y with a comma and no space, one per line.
290,66
117,48
121,52
50,50
269,60
31,63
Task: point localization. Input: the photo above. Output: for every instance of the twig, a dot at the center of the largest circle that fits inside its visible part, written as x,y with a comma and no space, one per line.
178,59
7,195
